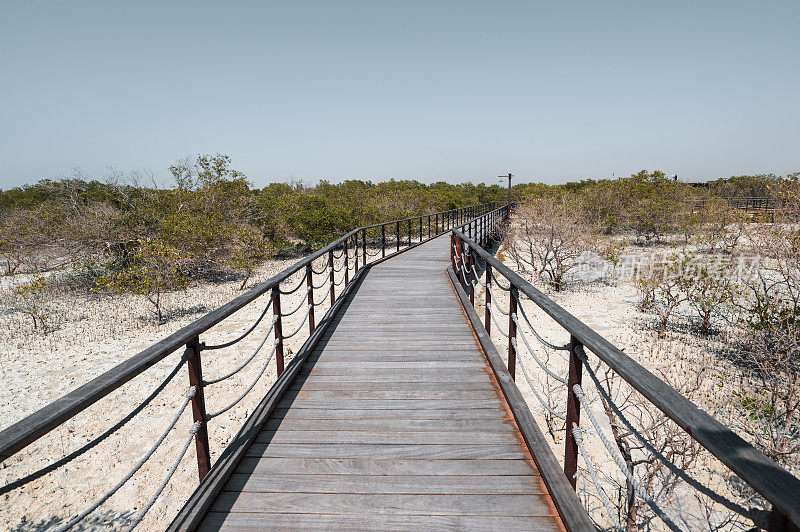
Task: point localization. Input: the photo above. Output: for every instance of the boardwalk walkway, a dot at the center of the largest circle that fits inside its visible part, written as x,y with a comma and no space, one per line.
396,423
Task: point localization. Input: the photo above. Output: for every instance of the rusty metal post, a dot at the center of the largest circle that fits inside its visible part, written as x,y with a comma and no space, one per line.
333,286
310,285
487,317
276,311
573,411
397,232
513,296
198,407
346,265
383,241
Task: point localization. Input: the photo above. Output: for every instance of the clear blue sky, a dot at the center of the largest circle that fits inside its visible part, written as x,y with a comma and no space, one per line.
451,90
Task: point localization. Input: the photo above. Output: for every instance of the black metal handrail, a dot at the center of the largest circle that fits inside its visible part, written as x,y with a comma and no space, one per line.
769,479
24,432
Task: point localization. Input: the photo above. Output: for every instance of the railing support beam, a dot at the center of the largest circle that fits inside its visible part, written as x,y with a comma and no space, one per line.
198,407
513,297
573,410
276,311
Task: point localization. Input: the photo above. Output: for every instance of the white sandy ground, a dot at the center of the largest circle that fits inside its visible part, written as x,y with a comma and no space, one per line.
99,332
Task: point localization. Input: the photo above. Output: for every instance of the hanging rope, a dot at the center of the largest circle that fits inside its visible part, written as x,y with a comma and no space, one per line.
192,431
489,307
252,385
246,362
89,445
620,461
293,290
251,329
103,498
705,490
559,415
300,304
302,322
538,337
547,370
578,436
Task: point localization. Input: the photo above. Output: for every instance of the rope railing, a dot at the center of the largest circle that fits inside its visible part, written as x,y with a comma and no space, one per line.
620,461
578,435
766,477
349,256
300,303
91,444
537,335
295,289
249,359
249,388
677,471
205,347
541,364
108,494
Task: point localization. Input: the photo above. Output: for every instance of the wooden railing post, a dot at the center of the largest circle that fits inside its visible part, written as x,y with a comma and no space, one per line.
470,266
364,241
453,252
332,278
276,311
487,317
346,265
513,297
198,407
355,252
397,232
383,240
573,411
310,285
778,522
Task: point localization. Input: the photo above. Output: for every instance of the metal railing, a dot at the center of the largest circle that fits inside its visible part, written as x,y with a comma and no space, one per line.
318,280
766,477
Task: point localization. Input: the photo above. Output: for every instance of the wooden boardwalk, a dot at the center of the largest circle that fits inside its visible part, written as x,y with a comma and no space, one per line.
395,422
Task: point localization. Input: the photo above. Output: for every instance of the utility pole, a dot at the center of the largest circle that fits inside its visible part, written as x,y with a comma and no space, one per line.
509,176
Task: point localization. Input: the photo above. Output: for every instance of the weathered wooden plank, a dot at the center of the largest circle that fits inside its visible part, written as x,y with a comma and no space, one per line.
429,504
387,484
355,450
247,522
331,413
400,373
432,378
391,425
440,365
383,466
407,386
389,404
283,435
330,394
